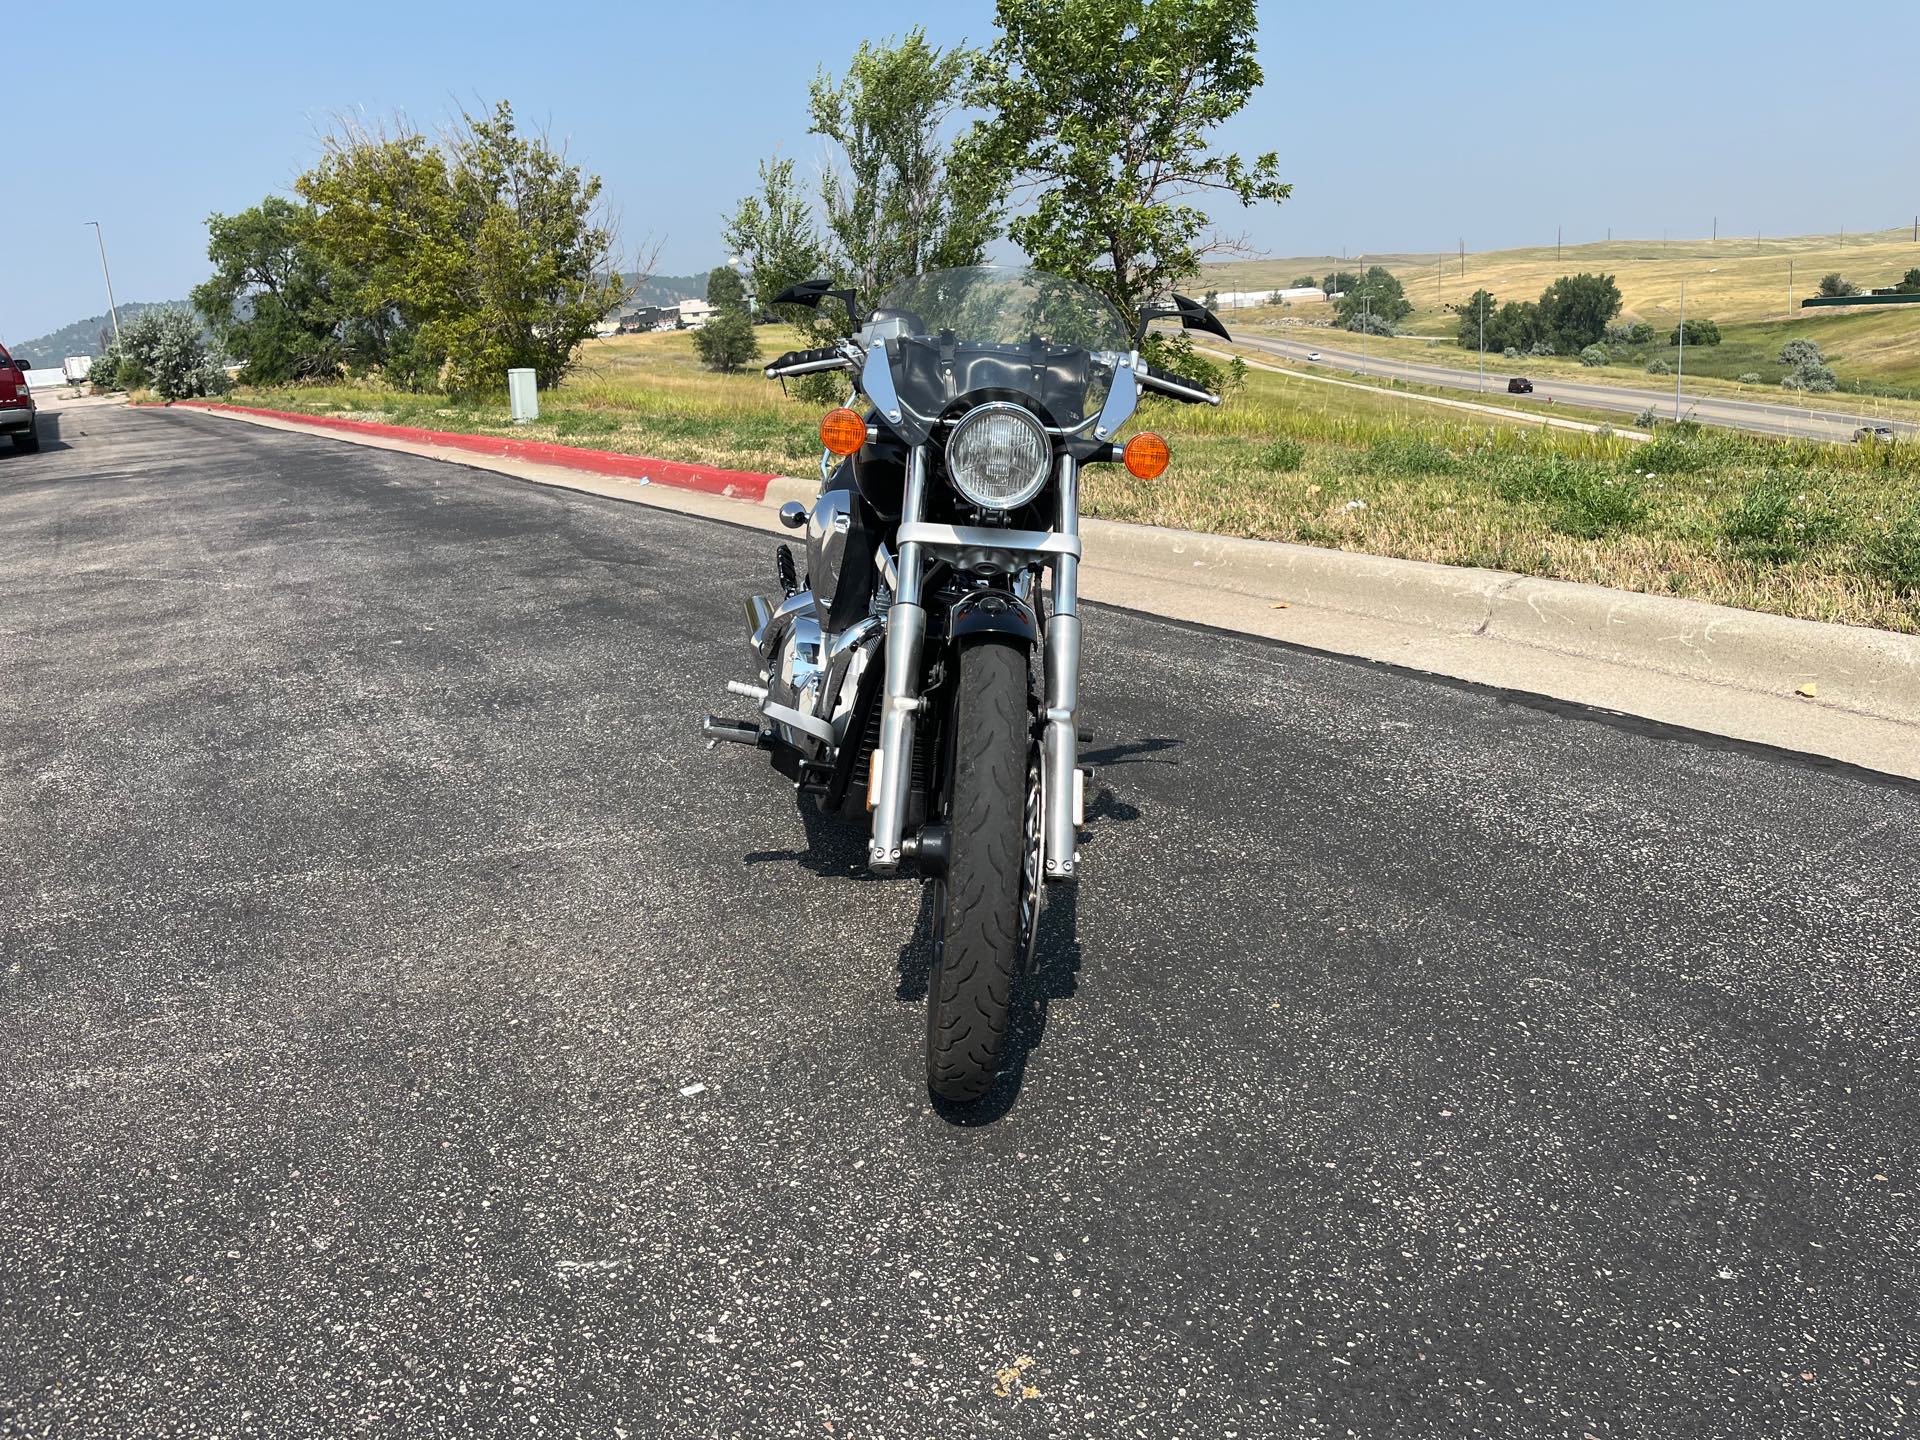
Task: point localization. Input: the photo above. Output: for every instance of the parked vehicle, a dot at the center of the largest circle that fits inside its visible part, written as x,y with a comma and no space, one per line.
895,679
1868,434
76,368
19,417
1519,385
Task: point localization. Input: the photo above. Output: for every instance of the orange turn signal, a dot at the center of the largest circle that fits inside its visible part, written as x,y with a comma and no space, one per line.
1147,456
843,431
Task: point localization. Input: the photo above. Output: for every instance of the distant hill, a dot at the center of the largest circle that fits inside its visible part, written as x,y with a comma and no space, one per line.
82,337
666,289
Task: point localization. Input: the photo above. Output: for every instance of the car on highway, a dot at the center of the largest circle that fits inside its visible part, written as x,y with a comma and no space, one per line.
1868,434
1519,385
1313,354
19,417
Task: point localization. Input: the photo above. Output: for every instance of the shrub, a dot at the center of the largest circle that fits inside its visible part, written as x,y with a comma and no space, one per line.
1645,420
165,351
1657,366
1634,332
1752,377
105,374
1595,355
1362,323
1894,553
1811,376
1284,454
1699,332
1540,348
1837,286
1512,352
1796,353
1778,521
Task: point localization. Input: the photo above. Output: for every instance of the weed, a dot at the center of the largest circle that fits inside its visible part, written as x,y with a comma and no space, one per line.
1894,554
1283,455
1779,520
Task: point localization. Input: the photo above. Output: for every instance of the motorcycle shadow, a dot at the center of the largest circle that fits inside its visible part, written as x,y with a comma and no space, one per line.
1056,968
835,848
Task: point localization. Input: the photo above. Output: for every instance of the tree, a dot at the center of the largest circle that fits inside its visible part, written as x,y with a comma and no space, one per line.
893,208
1799,352
1515,327
1909,283
1304,282
726,342
1338,281
1836,286
455,262
1575,309
269,301
1376,294
773,234
1475,316
1098,120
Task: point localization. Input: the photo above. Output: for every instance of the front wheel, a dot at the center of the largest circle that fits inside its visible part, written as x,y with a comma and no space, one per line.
980,906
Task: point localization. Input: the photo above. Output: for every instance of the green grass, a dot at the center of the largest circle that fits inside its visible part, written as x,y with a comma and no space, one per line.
1820,531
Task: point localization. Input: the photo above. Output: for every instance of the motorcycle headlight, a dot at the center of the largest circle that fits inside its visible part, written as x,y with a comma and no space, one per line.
998,456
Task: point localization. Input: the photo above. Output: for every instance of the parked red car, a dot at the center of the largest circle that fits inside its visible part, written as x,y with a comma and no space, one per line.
18,415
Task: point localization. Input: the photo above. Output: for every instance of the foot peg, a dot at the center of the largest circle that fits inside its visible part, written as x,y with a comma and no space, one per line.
789,572
734,732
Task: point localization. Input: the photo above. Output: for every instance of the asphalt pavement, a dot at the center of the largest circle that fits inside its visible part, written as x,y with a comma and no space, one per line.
408,1027
1756,416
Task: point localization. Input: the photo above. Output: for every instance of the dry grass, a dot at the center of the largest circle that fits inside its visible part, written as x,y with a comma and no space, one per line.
1799,529
1733,281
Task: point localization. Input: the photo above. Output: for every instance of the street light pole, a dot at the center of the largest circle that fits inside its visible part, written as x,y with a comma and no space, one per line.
1482,308
112,309
1680,373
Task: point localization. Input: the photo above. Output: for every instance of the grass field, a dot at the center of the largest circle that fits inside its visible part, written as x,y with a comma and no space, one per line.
1824,532
1742,284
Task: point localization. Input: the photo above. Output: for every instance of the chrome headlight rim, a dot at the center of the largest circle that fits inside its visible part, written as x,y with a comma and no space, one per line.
979,414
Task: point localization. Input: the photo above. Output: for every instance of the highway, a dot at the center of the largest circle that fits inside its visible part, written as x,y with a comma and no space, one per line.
1759,417
408,1027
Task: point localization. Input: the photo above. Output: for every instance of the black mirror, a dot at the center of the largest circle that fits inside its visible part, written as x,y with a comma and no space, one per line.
1191,314
811,292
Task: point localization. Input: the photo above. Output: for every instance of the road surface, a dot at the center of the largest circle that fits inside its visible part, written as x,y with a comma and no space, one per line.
1752,415
1416,1059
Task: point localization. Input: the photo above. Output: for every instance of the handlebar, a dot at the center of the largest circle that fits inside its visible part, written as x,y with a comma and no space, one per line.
809,362
1178,387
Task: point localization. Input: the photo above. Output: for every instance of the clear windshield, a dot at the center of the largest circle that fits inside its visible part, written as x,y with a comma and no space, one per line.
1003,305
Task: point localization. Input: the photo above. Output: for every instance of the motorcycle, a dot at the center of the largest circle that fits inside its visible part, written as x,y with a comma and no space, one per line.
896,673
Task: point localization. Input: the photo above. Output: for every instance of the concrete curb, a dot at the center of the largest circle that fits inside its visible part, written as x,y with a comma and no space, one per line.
1711,668
1867,672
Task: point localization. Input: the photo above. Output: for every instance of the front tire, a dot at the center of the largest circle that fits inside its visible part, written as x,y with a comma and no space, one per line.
978,941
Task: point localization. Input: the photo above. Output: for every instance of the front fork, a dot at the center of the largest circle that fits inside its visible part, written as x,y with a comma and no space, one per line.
901,701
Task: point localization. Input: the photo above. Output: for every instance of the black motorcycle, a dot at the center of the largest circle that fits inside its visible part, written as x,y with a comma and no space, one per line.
896,675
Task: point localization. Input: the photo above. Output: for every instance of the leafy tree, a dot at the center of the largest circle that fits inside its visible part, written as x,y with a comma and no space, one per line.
1339,280
1476,315
1098,118
1378,294
893,206
773,234
1515,326
1836,286
1699,332
164,351
1796,353
1304,282
726,342
479,254
269,301
1909,283
1575,309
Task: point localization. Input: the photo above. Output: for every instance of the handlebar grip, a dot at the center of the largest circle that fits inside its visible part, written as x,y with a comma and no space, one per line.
1179,387
796,362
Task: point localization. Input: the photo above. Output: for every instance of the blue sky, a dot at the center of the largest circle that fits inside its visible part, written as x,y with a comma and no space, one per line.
1403,126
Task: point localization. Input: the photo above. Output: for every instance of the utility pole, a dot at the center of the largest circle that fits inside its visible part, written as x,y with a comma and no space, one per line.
1716,229
112,309
1463,250
1680,373
1482,308
1557,231
1789,287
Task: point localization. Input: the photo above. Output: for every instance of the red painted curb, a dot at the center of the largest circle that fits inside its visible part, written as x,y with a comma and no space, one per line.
739,484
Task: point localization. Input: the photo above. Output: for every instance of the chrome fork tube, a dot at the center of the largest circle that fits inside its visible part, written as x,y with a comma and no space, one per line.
906,631
1061,739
